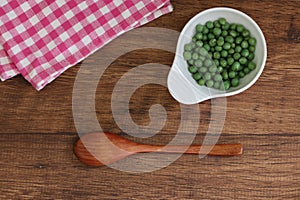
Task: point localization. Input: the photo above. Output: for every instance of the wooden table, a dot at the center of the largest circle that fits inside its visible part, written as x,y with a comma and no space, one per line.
38,131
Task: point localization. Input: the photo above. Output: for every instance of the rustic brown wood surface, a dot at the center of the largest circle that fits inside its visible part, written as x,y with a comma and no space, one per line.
37,130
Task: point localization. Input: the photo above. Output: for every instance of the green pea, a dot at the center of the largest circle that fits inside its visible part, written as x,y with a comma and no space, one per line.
217,55
226,26
199,36
245,53
204,37
224,33
213,69
233,33
236,66
217,24
252,41
213,42
222,21
198,63
224,53
229,39
187,55
194,39
203,70
246,33
188,47
251,65
243,60
220,69
240,28
218,77
233,26
216,85
198,49
205,30
206,47
190,62
209,83
195,56
201,82
232,74
225,75
220,41
203,52
193,69
235,82
207,76
223,63
231,51
226,85
230,61
217,63
199,28
246,70
209,24
252,49
226,46
236,56
197,76
218,48
199,43
210,36
208,62
238,49
251,56
239,40
241,74
244,44
217,31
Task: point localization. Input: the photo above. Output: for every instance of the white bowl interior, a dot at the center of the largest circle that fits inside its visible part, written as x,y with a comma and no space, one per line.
232,16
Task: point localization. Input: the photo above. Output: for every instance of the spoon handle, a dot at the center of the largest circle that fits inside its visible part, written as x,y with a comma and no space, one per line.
216,150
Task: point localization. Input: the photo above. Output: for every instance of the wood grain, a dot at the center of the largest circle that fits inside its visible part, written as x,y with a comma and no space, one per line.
37,130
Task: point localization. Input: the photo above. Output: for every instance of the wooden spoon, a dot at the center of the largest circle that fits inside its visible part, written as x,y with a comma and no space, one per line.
110,148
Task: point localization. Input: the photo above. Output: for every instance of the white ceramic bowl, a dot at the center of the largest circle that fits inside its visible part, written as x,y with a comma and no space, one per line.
180,82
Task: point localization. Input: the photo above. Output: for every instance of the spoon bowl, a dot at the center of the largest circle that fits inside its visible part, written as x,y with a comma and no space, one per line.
183,87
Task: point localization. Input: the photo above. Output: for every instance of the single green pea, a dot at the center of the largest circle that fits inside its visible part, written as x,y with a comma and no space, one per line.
232,74
220,69
213,42
233,26
188,47
222,21
235,82
243,60
203,69
197,50
201,82
233,33
226,26
230,61
210,36
245,53
238,49
218,77
205,30
187,55
236,66
252,41
231,51
217,55
199,43
208,62
216,85
220,41
198,63
197,76
210,54
207,76
240,28
195,56
244,44
252,49
203,52
217,24
199,36
246,70
226,46
224,33
238,40
229,39
225,75
217,63
213,69
191,62
218,48
193,69
204,38
206,47
236,56
241,74
194,39
223,63
210,83
226,85
203,58
217,31
251,56
209,24
251,66
224,53
246,33
199,28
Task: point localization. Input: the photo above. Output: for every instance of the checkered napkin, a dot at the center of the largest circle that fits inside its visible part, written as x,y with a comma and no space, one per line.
40,39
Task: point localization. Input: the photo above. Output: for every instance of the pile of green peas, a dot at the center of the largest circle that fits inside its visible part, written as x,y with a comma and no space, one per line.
220,54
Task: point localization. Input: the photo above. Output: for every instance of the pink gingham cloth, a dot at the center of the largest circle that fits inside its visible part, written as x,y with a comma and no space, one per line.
40,39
